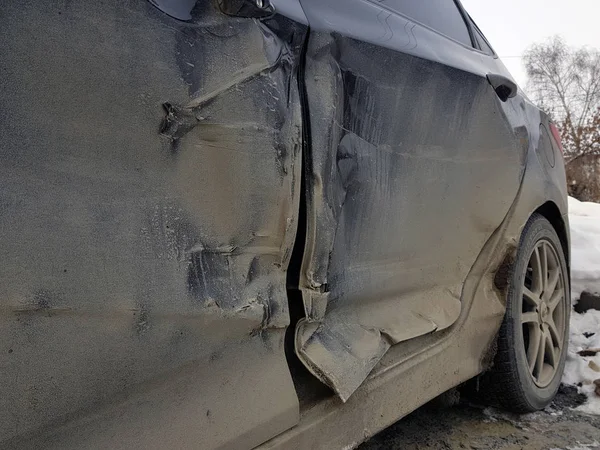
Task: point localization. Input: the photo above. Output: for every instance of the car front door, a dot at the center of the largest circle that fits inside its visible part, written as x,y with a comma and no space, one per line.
149,190
413,162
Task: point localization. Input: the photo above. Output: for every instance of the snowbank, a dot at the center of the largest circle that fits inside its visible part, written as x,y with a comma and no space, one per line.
584,218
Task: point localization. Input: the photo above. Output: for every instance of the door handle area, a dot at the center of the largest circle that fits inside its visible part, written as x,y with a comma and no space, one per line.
505,87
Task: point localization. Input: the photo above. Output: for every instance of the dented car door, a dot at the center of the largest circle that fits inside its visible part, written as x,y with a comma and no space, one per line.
413,165
149,193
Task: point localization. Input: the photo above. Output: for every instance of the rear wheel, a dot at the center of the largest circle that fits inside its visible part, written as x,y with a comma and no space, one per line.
533,338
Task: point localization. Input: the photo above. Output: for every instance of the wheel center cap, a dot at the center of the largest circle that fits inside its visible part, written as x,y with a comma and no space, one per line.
544,310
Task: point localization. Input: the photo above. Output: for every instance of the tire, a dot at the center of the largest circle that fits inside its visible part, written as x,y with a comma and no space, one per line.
518,381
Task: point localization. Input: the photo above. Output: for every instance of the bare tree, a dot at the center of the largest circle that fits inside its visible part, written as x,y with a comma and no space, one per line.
566,83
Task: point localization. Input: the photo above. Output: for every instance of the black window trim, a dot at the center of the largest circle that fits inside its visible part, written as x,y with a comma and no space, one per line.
464,15
494,55
470,23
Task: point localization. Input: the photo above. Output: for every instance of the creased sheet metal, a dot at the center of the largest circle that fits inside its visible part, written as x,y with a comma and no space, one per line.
405,154
149,192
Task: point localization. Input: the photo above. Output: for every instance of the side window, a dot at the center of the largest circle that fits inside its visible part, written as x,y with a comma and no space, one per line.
483,44
441,15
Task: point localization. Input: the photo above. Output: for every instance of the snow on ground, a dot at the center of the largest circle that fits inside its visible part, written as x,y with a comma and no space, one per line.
584,218
584,369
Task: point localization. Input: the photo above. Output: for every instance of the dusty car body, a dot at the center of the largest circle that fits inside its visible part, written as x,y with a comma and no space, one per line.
279,224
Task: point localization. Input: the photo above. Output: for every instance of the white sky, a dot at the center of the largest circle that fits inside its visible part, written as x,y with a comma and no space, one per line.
512,25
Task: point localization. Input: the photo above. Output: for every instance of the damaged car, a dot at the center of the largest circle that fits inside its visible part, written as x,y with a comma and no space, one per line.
268,223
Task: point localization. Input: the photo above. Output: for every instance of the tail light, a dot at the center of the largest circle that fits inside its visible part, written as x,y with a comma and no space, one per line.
556,136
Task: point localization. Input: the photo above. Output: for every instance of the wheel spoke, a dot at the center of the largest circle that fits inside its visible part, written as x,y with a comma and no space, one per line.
539,362
555,300
537,277
534,345
553,277
553,333
549,348
531,298
530,317
544,260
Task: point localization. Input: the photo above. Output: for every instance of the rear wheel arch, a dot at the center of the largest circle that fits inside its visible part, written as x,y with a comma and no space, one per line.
551,212
508,383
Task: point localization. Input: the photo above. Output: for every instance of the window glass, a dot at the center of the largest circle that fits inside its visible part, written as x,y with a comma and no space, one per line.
441,15
483,45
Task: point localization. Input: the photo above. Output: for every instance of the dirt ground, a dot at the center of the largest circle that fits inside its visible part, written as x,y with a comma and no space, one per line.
470,426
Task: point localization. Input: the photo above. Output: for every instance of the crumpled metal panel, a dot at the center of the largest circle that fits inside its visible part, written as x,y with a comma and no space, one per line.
414,164
149,192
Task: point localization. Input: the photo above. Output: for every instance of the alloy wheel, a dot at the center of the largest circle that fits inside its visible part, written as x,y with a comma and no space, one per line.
543,313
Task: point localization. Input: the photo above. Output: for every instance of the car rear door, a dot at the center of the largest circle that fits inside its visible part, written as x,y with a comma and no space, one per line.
413,162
